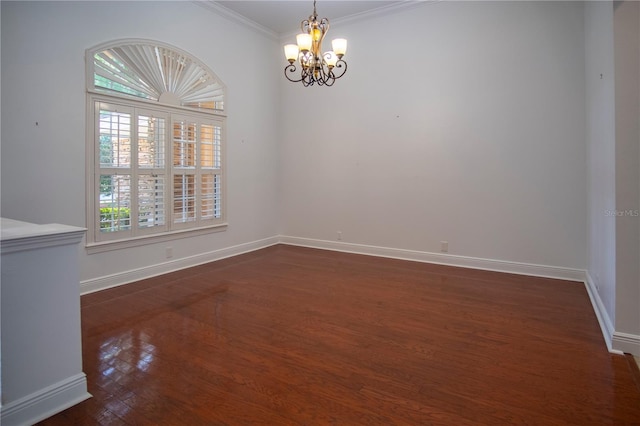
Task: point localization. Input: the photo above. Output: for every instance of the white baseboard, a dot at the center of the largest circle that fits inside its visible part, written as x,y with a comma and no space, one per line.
616,342
45,402
601,313
117,279
626,342
441,259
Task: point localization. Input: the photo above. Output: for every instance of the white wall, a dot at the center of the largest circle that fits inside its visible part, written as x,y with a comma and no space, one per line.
601,140
41,336
472,133
627,173
612,63
457,121
43,81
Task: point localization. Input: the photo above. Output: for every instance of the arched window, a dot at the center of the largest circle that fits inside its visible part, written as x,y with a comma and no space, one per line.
155,144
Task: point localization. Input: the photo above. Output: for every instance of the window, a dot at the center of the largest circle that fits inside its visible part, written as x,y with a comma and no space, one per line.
156,134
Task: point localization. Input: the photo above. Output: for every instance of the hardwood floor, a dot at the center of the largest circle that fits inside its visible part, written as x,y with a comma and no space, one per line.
296,336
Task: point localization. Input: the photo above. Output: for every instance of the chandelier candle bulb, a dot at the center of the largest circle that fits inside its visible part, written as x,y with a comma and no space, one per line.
315,67
339,46
304,42
291,52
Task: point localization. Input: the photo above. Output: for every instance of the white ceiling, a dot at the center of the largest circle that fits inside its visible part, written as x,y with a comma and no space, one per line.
284,17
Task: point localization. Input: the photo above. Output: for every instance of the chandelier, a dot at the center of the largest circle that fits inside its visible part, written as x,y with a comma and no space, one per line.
316,67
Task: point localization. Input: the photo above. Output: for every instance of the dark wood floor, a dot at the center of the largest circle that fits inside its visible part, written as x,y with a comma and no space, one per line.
295,336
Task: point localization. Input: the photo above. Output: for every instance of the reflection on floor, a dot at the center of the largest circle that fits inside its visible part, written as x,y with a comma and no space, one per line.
292,336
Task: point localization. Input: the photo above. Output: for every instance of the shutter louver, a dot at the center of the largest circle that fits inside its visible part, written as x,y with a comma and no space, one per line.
149,71
151,206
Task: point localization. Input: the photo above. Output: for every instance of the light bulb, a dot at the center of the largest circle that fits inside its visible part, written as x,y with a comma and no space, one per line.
304,42
339,46
291,52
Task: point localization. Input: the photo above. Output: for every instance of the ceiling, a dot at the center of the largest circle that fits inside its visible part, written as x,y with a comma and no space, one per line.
284,17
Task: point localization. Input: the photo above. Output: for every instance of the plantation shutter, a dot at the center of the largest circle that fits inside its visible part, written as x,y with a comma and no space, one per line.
114,173
155,144
157,73
197,169
151,172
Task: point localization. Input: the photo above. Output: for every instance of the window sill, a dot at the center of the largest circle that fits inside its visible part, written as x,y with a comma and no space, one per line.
104,246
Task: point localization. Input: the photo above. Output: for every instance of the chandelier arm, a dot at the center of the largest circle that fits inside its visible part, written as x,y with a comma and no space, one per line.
308,60
341,66
306,82
291,68
307,77
328,75
304,26
324,24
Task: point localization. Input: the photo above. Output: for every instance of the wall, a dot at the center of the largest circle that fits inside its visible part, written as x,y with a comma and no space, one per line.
41,352
472,132
456,121
43,81
627,175
601,140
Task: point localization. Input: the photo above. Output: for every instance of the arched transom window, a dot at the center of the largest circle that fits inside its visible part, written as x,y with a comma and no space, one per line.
156,144
156,72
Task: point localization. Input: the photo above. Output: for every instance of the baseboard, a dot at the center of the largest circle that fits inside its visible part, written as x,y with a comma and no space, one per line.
120,278
441,259
45,402
626,342
616,342
125,277
601,313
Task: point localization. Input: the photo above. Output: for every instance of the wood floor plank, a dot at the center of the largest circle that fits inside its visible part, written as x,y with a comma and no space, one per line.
290,335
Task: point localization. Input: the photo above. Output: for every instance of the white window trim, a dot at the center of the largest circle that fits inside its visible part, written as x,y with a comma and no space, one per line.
104,246
93,244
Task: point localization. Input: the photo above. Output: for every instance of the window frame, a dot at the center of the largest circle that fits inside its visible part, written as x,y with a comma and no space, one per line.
212,110
143,237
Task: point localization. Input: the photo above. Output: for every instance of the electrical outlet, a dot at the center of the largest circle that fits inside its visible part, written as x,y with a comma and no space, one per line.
444,246
339,235
168,252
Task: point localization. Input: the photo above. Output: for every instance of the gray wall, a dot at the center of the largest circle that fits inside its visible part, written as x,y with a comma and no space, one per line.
456,121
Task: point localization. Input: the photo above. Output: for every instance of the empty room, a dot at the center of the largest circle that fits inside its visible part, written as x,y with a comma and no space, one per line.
320,212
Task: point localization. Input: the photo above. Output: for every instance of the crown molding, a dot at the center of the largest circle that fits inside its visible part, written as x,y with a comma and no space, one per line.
234,16
382,10
370,14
